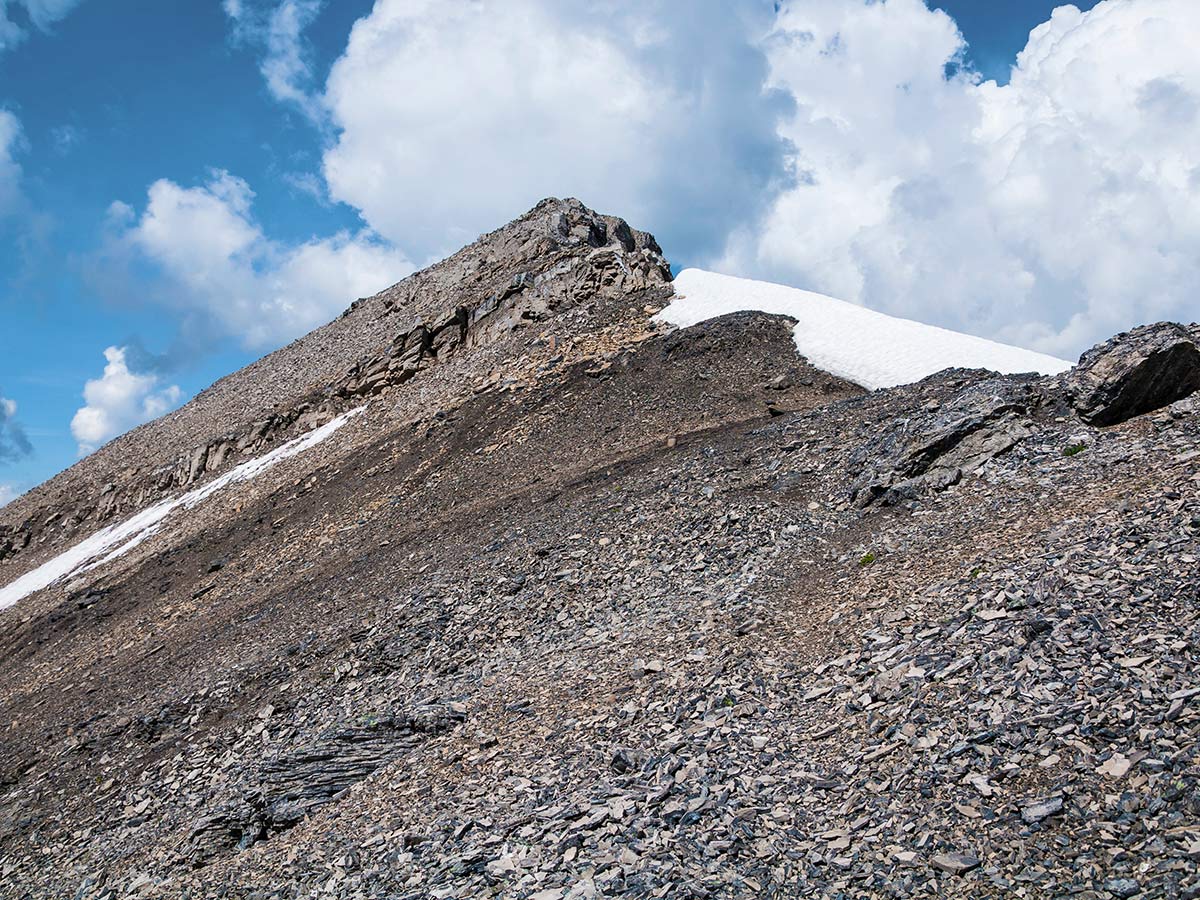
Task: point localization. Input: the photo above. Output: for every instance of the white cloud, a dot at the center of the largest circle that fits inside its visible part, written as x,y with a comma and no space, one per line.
10,171
215,262
118,400
308,184
41,13
454,117
65,138
13,445
279,30
1050,212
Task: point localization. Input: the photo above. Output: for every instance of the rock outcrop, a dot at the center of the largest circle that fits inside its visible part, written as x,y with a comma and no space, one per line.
1135,372
286,789
934,446
1131,374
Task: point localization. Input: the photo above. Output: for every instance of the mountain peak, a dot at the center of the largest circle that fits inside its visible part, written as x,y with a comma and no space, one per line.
488,298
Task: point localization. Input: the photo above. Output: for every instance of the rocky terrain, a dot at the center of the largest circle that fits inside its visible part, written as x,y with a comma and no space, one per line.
584,606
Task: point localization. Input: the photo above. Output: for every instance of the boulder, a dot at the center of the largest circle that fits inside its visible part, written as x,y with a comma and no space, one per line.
1135,372
195,466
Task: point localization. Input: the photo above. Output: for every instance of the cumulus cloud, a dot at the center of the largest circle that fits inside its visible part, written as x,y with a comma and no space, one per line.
28,226
8,493
13,442
39,13
212,261
118,400
278,29
844,146
451,118
1051,211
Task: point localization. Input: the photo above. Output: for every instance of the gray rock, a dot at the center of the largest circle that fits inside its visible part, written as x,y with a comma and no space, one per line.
1135,372
932,449
1042,810
955,863
1122,887
291,786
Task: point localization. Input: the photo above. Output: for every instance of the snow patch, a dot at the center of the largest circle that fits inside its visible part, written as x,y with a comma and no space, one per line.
867,347
109,543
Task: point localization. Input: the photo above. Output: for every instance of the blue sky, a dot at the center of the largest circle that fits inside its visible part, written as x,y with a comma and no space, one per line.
192,184
997,31
115,96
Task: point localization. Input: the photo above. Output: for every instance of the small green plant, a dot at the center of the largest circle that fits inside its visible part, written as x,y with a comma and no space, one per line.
975,573
867,559
1072,449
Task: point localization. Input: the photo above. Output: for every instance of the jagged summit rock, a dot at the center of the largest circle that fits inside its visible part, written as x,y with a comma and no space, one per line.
572,603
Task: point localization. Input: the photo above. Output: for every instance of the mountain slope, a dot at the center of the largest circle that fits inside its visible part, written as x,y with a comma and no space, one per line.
594,606
486,298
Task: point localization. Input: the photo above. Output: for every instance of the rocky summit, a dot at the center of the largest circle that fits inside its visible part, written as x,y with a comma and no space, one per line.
526,594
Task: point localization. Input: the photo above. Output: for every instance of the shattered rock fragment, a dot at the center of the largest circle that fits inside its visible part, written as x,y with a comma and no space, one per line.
955,863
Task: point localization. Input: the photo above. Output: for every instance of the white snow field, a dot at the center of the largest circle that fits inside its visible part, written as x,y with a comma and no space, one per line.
870,348
109,543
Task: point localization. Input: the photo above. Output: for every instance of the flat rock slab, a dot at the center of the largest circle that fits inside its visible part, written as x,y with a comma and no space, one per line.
955,863
1042,810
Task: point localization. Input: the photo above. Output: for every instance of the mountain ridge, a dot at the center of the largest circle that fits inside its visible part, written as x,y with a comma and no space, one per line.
301,377
602,607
